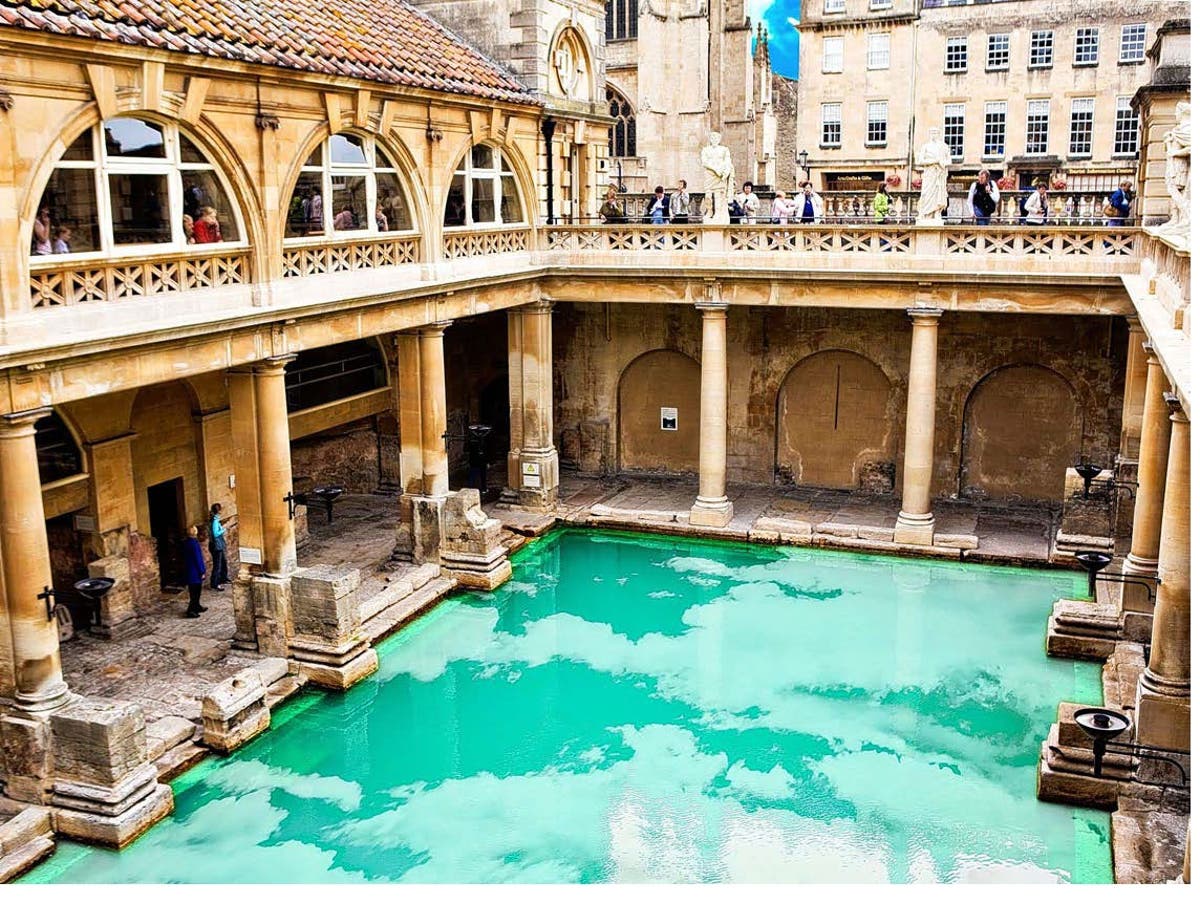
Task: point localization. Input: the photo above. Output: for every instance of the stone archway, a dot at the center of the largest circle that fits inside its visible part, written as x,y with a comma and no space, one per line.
1022,428
658,414
832,428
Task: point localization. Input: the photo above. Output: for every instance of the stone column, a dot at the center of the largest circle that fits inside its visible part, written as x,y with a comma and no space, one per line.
1164,690
538,487
435,464
915,523
274,466
37,669
1136,359
516,404
712,508
1142,560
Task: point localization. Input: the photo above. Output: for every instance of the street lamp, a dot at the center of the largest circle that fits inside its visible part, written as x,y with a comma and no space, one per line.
802,162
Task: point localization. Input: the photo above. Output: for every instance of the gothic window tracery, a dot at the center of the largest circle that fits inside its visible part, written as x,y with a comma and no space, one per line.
622,134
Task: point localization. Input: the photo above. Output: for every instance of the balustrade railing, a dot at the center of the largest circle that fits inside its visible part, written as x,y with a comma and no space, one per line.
484,242
311,258
1167,260
54,283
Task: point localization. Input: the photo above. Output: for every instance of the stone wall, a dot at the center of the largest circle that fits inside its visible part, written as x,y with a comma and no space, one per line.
840,416
347,456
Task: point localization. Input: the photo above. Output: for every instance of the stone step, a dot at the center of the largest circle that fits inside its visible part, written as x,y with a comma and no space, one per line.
179,759
403,610
24,827
167,733
24,858
283,689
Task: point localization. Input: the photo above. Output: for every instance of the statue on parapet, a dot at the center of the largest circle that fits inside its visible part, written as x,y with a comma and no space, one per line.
933,159
1178,146
718,179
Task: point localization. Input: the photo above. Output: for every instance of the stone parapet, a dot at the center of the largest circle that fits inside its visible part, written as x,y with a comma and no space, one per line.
234,711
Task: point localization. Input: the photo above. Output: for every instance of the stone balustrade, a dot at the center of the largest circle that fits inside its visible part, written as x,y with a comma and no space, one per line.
309,258
1167,263
458,243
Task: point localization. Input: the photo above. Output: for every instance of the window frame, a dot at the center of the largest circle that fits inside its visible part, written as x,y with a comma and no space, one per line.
876,5
1080,33
993,51
946,67
868,141
498,173
1124,106
612,21
991,108
170,165
826,121
834,7
613,96
1043,112
1141,57
372,149
826,43
1047,46
886,52
1085,109
958,130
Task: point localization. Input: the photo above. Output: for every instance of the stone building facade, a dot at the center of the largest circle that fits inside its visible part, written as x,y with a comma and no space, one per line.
676,70
1031,90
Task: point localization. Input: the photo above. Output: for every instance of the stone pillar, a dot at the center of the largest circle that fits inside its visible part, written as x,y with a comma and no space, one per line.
435,464
1142,560
37,670
1136,359
538,460
712,508
407,382
1164,690
516,404
274,466
915,523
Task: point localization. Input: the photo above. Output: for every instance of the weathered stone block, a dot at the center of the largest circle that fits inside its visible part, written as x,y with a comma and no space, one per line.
234,711
116,606
244,634
167,733
342,677
322,602
25,839
426,528
25,756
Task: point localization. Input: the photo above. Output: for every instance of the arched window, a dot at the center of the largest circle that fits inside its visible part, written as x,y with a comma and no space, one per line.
483,191
57,454
622,134
133,183
321,375
348,184
620,19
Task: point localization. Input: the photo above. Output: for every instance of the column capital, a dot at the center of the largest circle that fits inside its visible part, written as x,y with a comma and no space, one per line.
1135,325
712,307
265,367
1175,406
437,328
1151,354
19,422
924,316
540,306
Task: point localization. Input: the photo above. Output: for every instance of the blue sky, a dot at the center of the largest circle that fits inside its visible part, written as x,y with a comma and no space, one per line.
781,36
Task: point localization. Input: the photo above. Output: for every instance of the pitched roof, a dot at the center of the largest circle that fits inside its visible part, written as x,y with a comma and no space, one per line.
378,40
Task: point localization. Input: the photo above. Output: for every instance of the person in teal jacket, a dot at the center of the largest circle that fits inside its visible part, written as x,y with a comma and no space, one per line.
881,202
216,548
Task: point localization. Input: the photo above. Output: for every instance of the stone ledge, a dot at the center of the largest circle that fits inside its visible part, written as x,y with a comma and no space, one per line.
116,831
25,840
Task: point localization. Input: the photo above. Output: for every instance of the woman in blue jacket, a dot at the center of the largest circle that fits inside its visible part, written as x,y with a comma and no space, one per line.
193,572
1119,203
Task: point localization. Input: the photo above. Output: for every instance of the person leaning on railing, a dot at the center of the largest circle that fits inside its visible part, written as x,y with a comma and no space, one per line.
657,208
610,211
1116,208
881,203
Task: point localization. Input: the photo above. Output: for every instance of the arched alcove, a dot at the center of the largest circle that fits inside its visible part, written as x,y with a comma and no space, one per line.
658,413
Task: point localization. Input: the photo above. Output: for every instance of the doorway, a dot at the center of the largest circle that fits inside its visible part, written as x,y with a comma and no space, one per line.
167,516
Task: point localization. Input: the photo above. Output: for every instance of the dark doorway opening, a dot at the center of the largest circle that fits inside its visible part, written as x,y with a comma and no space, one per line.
67,566
167,527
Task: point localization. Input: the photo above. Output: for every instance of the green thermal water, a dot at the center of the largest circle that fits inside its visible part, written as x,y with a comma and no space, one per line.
638,709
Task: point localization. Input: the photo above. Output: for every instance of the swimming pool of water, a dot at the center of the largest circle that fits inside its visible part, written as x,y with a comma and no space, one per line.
632,708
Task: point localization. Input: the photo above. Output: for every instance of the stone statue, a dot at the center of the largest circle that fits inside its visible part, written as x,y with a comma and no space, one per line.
718,178
1178,145
933,159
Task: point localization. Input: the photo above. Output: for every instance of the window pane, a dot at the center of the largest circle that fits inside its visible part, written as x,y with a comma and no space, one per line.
314,159
211,213
456,204
510,201
188,152
69,203
391,210
81,148
483,201
306,215
347,150
381,160
349,203
481,157
140,213
504,167
133,138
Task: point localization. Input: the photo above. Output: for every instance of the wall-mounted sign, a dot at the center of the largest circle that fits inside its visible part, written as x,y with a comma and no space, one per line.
529,468
248,555
85,523
531,481
669,418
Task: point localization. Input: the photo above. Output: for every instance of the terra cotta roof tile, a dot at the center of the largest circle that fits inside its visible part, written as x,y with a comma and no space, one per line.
379,40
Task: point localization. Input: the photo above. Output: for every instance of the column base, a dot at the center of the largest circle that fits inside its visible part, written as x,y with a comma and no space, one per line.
52,697
914,529
538,474
1164,719
711,512
1133,597
1083,629
340,676
97,815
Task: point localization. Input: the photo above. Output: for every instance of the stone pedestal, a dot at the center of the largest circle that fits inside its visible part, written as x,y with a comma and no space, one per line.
426,528
1086,523
104,790
117,614
262,614
234,712
471,550
1066,767
1083,629
328,642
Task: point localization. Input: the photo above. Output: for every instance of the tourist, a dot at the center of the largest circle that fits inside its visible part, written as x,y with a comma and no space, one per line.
62,240
344,220
681,204
381,220
983,198
881,203
314,212
1116,208
656,209
781,208
41,232
216,548
193,572
809,205
1036,205
748,202
610,210
189,229
206,229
